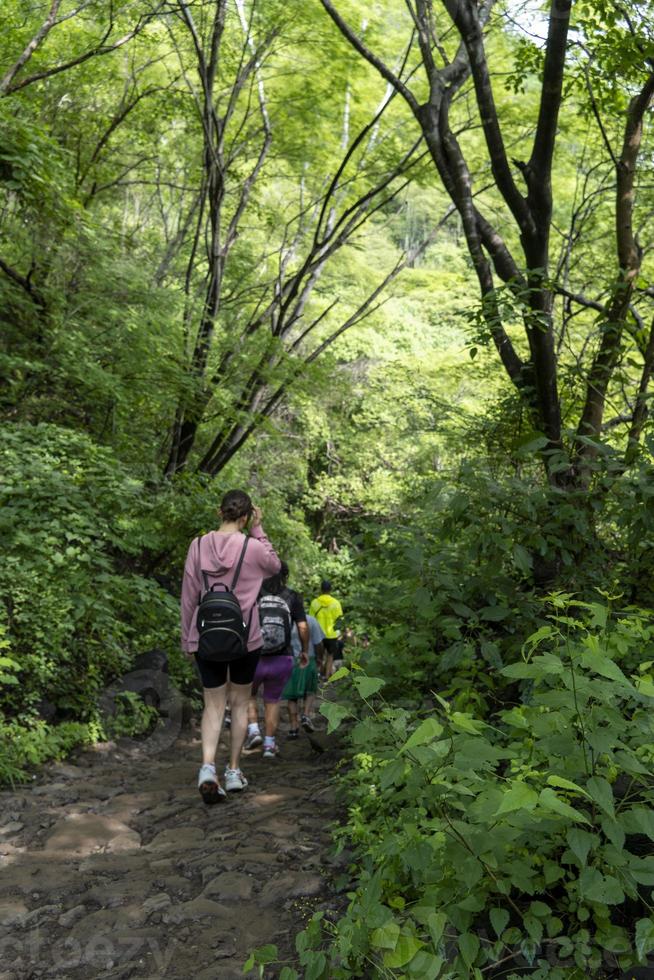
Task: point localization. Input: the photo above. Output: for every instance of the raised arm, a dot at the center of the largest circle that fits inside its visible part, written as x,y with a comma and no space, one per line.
191,588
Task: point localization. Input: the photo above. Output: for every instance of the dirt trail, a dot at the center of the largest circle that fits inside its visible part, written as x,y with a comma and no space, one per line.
111,866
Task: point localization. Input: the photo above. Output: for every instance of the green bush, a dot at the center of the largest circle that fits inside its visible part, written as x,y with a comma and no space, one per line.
68,514
528,841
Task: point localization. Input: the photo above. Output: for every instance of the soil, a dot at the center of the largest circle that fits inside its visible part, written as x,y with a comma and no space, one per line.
111,866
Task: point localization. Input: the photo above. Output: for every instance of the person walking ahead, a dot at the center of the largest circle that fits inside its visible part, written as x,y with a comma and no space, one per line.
327,610
279,608
214,559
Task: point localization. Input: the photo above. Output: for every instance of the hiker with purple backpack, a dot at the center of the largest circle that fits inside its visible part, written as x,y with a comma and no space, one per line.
223,574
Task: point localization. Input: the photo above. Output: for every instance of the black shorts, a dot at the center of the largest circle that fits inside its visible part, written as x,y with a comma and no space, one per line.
331,646
239,671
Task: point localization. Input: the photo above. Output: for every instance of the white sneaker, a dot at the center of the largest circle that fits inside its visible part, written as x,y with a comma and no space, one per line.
235,781
253,741
270,751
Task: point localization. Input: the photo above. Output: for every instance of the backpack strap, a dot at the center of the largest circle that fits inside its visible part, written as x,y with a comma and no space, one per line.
240,562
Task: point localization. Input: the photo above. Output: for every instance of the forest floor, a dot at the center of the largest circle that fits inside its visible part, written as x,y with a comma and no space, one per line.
111,866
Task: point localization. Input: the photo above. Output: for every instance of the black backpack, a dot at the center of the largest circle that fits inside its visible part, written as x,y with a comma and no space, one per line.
275,619
223,633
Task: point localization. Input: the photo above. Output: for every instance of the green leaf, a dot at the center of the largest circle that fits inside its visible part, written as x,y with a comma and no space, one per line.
614,831
644,937
427,731
266,954
436,923
334,713
644,818
425,965
406,949
494,614
603,889
605,667
522,559
466,723
602,794
561,783
367,686
339,674
519,797
392,773
499,920
580,843
315,968
469,947
550,801
386,936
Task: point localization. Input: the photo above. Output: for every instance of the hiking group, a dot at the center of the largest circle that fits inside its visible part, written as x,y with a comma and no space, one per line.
248,633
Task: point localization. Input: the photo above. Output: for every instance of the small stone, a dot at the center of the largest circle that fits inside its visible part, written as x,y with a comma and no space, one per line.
12,912
178,839
157,903
198,908
71,916
84,833
230,885
14,827
45,912
48,788
291,885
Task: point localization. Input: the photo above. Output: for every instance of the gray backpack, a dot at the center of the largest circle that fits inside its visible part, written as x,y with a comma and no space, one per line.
275,618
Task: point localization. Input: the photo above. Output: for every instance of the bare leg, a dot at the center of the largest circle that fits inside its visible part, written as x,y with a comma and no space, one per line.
293,714
212,722
309,701
239,696
272,718
253,711
328,665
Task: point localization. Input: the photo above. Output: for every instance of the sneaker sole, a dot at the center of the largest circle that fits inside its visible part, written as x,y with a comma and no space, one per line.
212,793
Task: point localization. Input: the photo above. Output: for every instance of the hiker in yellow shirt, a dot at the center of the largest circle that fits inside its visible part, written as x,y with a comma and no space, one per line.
327,610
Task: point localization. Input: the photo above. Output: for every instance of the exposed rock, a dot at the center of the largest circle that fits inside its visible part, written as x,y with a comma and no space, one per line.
198,908
178,839
152,660
11,828
83,899
72,916
231,885
292,884
84,833
13,912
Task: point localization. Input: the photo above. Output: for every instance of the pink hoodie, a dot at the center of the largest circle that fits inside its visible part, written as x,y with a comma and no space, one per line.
218,555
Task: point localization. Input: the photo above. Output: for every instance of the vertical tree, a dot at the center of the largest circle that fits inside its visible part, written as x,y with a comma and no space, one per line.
513,252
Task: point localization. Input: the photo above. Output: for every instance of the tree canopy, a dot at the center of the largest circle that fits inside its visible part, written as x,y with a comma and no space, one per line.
388,267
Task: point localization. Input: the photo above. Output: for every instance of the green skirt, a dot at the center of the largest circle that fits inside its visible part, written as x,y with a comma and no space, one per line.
301,682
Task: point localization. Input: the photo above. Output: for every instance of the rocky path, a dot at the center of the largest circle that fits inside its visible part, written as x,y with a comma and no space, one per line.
111,866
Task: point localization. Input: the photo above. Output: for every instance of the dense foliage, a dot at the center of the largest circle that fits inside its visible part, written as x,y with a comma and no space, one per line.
386,266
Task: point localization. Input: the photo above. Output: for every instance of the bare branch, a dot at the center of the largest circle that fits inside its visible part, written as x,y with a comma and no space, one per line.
101,49
370,57
31,47
25,283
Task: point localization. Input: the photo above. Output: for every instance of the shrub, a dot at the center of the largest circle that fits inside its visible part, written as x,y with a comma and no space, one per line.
528,841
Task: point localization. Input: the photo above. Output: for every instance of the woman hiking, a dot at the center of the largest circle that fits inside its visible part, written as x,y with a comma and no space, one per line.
226,559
